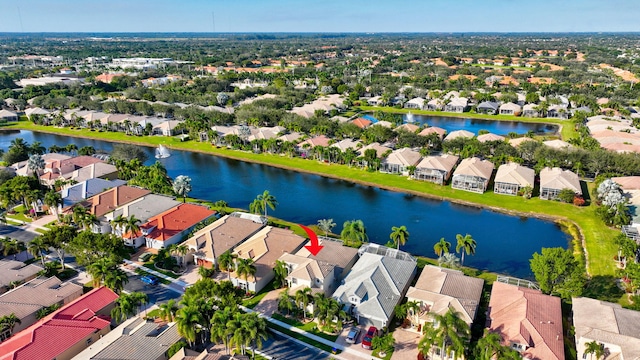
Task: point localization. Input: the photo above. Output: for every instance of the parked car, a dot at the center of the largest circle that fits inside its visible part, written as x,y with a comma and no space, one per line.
149,279
352,337
368,337
144,257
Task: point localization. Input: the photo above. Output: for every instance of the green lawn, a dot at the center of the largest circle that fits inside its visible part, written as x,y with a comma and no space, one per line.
19,214
252,302
598,238
310,327
301,337
152,266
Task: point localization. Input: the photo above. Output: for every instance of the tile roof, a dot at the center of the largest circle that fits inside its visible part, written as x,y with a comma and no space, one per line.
334,252
556,178
433,130
518,141
513,173
145,207
222,235
628,182
475,167
361,122
345,144
526,316
80,161
12,270
316,141
87,189
490,137
444,162
403,157
175,220
62,329
380,150
412,128
459,133
96,170
113,198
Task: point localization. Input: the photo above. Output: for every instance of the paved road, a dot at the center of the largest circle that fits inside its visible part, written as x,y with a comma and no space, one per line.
15,232
280,348
156,293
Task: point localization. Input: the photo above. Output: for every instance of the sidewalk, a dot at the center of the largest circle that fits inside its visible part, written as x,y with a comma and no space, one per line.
176,285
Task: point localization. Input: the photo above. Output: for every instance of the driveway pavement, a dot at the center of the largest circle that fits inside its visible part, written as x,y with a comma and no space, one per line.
269,303
406,344
156,293
280,348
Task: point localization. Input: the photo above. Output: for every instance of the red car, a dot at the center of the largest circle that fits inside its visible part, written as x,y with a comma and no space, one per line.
368,337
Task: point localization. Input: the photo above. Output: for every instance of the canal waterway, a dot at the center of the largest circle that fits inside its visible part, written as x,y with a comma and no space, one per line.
505,242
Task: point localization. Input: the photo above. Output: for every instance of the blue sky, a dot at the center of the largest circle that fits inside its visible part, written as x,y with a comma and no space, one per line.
319,16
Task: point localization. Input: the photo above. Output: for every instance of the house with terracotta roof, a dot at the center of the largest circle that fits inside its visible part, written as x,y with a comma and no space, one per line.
134,339
615,328
320,272
86,189
376,284
110,200
264,248
66,332
13,270
473,174
433,130
399,160
438,290
554,180
436,169
528,321
412,128
169,227
27,299
362,123
108,78
207,244
512,177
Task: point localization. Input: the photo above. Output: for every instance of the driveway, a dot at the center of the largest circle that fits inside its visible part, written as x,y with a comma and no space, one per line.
17,233
406,344
269,303
156,293
357,347
280,348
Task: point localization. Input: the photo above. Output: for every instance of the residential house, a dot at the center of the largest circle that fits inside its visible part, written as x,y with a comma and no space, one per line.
207,244
415,103
16,272
557,144
528,321
307,146
459,133
399,160
107,78
457,105
412,128
361,122
264,248
512,177
435,104
510,109
518,141
345,144
207,354
490,137
70,165
380,150
376,284
558,112
323,104
433,130
32,113
66,332
134,339
98,170
436,169
375,101
143,209
554,180
169,227
615,328
320,272
438,290
166,128
52,162
6,115
384,123
86,189
530,110
487,107
473,175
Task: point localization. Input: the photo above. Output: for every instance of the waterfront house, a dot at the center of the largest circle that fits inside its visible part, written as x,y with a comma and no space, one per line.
6,115
264,248
169,227
412,128
320,272
433,130
610,325
345,144
490,137
487,107
98,170
12,271
32,113
134,339
558,112
457,105
207,244
375,101
86,189
436,169
143,209
415,103
438,290
380,150
510,109
472,175
376,284
26,300
554,180
518,141
305,147
435,104
399,160
361,122
165,128
66,332
512,177
459,133
530,110
528,321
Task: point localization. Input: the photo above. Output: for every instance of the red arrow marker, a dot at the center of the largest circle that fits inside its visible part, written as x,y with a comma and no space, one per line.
315,246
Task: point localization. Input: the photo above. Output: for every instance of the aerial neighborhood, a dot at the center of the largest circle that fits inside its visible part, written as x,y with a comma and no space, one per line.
175,198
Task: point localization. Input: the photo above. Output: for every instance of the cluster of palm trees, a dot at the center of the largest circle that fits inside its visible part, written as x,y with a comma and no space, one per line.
464,245
106,271
7,324
127,305
447,335
82,217
10,246
327,311
125,225
354,233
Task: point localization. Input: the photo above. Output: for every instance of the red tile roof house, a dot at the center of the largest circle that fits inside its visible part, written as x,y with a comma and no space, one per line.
528,321
170,226
66,332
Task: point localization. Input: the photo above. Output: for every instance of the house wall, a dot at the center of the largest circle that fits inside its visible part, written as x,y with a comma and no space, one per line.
506,188
469,183
549,193
76,348
431,175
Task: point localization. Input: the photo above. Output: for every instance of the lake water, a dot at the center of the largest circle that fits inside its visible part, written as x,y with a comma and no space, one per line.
505,243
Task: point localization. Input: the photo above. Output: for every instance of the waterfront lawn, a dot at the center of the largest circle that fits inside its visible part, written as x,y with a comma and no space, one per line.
598,238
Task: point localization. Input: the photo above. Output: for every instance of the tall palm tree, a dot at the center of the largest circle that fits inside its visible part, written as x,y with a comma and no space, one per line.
489,345
36,148
303,299
467,244
286,302
238,332
89,220
79,213
127,305
594,348
166,311
441,247
8,323
118,223
256,329
53,199
116,279
399,235
182,186
12,246
189,322
99,269
353,232
452,332
131,227
428,342
37,247
35,164
267,200
226,262
245,268
219,329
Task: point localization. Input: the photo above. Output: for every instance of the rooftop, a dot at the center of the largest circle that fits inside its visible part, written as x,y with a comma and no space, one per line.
164,226
11,270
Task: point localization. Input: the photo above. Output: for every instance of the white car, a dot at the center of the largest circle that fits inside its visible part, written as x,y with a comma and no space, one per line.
352,337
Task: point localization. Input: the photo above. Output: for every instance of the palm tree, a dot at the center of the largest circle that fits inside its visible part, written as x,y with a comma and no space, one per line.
36,148
219,321
189,321
286,302
303,298
12,246
449,260
326,225
37,247
118,223
53,199
467,244
267,200
452,332
427,344
132,227
226,262
399,235
99,270
239,334
489,345
79,213
441,247
35,164
8,322
257,330
116,279
383,344
127,305
353,232
245,268
89,220
182,186
281,271
594,348
71,148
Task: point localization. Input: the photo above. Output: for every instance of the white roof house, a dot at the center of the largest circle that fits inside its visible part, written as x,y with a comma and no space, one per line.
554,180
511,177
345,144
510,109
398,161
7,115
415,103
459,133
473,175
490,137
436,169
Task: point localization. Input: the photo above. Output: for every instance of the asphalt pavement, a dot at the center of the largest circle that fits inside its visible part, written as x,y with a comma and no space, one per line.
156,293
280,348
17,233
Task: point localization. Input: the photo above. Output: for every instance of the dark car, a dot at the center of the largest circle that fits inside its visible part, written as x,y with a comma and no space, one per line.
352,337
149,279
368,337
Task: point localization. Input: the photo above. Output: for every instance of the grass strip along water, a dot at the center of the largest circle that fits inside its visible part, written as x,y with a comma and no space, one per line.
597,239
